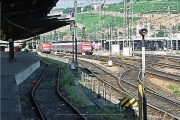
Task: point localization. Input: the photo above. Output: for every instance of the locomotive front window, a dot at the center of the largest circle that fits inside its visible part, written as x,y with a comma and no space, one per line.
86,45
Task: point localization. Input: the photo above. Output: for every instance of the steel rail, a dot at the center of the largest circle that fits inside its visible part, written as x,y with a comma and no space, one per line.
33,95
65,100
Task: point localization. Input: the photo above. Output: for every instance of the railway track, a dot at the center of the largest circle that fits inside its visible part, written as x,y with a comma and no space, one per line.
104,80
171,76
174,60
168,106
48,100
174,69
103,75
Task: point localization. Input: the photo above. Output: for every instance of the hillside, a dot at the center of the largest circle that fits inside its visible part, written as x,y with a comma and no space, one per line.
159,26
93,21
153,6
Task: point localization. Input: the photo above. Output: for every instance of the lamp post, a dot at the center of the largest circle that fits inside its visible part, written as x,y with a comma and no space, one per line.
84,33
110,35
72,33
104,47
75,32
116,34
143,32
55,35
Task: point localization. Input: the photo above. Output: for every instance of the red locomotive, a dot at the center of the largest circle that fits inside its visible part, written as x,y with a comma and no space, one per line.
45,47
18,46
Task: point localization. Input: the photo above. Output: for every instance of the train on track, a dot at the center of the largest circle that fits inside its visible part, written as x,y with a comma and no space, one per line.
45,47
4,45
82,47
18,46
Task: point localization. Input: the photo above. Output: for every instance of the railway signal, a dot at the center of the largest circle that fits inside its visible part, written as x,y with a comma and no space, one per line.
143,32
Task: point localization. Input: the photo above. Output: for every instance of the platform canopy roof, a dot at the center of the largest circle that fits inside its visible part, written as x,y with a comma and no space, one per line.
22,19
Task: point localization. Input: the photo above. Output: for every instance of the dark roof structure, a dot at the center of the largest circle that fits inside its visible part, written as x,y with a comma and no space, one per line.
21,19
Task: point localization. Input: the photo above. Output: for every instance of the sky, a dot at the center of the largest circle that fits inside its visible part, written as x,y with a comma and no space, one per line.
70,3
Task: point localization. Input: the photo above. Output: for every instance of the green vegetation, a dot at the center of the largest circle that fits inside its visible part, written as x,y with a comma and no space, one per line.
148,6
119,56
67,80
68,32
94,23
115,7
175,88
53,62
73,95
87,8
90,21
66,10
49,61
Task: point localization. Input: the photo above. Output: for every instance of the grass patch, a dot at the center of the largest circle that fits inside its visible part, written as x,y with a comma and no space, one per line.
119,56
68,89
67,80
77,99
73,95
52,62
147,6
175,88
93,24
47,61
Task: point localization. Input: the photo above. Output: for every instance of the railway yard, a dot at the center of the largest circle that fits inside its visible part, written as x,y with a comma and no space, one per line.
90,60
95,91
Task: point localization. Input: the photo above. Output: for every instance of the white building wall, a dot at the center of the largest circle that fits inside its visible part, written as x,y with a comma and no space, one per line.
141,26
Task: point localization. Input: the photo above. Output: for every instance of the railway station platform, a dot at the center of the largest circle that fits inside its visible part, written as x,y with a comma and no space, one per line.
12,74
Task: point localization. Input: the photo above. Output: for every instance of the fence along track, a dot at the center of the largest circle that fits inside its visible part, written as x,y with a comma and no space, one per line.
105,81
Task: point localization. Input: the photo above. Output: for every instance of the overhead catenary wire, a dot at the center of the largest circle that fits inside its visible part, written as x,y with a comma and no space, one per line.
19,26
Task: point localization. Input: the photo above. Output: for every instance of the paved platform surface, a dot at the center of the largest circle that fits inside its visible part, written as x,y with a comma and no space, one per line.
12,74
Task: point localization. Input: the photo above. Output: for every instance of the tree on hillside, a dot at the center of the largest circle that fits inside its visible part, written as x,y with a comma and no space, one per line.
162,27
68,10
61,34
78,9
87,8
178,27
160,34
57,9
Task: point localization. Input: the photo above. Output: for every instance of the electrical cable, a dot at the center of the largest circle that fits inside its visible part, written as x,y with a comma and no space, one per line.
19,26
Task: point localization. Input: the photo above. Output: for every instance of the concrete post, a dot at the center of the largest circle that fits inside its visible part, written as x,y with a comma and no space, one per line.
11,49
99,88
110,95
105,92
92,85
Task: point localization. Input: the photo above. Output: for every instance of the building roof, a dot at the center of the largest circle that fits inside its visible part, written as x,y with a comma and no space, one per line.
22,19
